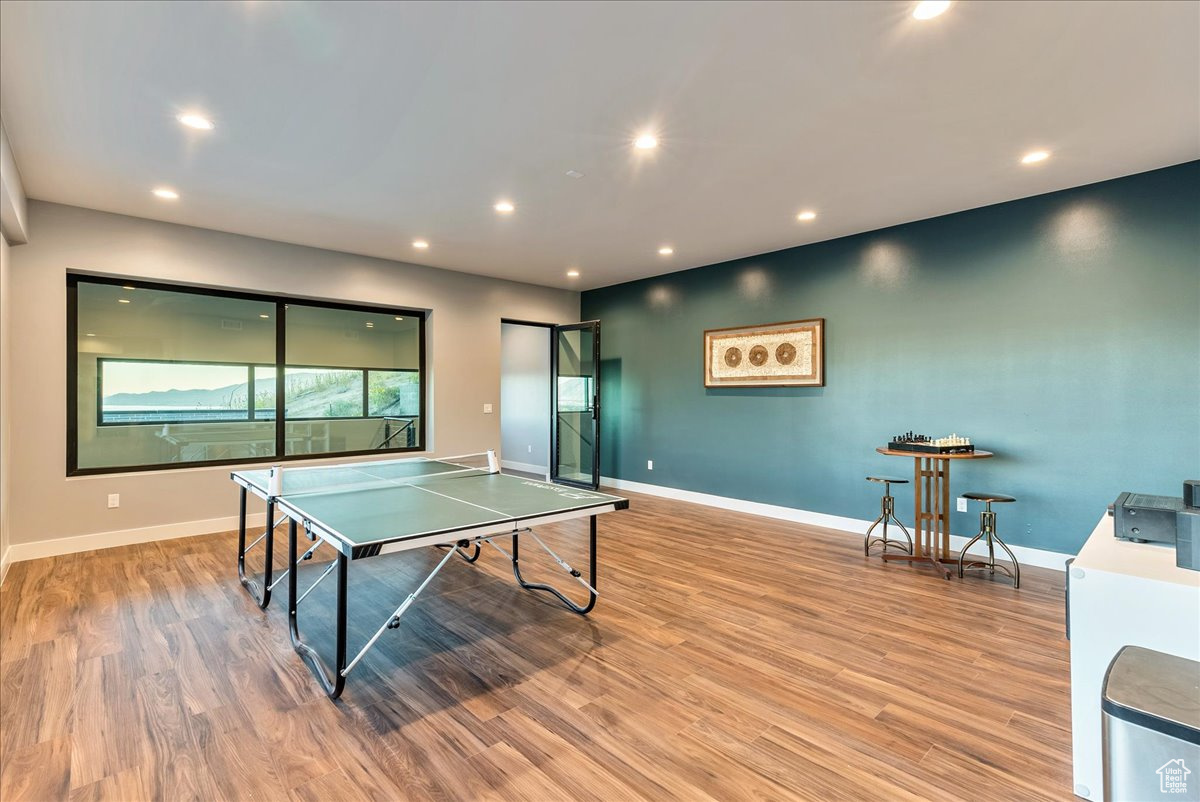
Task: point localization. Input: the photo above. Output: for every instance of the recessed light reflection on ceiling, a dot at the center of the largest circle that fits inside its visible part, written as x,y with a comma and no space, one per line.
89,334
504,207
1035,156
197,121
806,216
124,301
265,317
166,194
928,9
666,250
572,273
646,142
420,244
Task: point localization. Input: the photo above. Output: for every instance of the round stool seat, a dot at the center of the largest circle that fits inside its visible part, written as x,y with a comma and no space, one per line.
995,497
891,479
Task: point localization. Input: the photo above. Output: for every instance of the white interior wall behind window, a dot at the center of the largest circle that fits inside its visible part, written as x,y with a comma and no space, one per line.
525,396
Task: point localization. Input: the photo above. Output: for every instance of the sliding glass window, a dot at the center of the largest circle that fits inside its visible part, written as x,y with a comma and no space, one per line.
353,380
165,376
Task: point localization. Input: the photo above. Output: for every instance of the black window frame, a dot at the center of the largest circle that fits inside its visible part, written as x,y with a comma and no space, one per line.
280,365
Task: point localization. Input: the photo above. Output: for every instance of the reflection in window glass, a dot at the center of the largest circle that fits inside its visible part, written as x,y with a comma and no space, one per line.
393,392
264,393
323,393
142,391
162,376
169,375
364,391
574,393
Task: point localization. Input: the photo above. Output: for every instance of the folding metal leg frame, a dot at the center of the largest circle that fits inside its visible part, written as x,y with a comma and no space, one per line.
262,594
335,683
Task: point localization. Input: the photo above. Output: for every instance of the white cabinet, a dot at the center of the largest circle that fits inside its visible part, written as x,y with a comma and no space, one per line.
1121,593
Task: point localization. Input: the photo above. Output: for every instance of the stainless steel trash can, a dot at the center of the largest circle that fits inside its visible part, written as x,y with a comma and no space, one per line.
1151,712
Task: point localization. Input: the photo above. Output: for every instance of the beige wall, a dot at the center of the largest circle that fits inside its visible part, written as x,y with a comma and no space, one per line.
463,356
5,369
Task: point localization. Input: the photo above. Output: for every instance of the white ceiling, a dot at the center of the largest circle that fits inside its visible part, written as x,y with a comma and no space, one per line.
361,126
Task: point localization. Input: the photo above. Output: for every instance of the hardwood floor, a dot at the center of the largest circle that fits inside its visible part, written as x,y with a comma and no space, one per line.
729,657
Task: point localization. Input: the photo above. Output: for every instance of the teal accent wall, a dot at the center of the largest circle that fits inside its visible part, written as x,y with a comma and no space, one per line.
1061,332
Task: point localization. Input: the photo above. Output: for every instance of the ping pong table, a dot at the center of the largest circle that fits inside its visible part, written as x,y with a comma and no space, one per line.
367,509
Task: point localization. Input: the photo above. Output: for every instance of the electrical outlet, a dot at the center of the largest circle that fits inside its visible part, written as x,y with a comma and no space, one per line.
114,500
487,409
962,504
649,464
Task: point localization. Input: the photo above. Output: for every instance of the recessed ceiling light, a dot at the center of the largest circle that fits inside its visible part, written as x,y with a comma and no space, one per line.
128,287
1035,157
807,215
928,9
265,317
420,244
166,194
504,207
196,121
399,318
666,250
124,301
574,174
572,273
89,334
370,325
646,142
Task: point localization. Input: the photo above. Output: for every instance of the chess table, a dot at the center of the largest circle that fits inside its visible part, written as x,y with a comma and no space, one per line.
931,507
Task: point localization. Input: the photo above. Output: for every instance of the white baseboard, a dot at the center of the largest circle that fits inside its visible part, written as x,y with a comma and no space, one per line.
5,561
18,552
524,466
851,526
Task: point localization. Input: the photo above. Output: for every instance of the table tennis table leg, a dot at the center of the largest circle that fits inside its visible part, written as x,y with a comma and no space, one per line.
333,687
582,610
261,596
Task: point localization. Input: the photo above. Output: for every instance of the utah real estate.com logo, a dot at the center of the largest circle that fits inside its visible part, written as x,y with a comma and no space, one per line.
1172,777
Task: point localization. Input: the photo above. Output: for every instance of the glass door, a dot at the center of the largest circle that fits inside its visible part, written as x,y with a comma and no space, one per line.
575,429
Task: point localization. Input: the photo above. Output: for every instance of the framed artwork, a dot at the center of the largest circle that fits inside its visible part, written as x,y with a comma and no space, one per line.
790,354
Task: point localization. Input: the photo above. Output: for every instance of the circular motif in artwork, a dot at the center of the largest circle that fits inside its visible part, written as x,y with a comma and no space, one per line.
758,356
733,357
785,354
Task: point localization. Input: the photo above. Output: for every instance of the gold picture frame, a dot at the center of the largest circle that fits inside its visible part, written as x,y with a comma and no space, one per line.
788,354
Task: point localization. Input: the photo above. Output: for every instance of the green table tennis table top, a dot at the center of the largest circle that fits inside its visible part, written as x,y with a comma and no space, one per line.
383,502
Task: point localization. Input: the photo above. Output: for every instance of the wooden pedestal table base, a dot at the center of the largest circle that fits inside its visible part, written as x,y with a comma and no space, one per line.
931,504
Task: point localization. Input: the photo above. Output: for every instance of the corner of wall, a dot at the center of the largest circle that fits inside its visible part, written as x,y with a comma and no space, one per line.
5,408
14,217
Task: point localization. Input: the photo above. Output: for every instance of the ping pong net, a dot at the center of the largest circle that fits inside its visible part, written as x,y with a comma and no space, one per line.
371,475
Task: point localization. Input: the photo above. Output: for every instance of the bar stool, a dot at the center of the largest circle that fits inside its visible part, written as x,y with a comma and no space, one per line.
987,528
887,511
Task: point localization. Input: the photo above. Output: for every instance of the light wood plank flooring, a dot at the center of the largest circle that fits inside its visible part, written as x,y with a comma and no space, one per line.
730,657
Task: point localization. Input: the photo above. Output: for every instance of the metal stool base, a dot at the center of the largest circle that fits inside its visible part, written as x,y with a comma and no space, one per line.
987,529
887,512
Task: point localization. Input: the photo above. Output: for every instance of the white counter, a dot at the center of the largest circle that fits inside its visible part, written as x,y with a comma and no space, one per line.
1122,593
